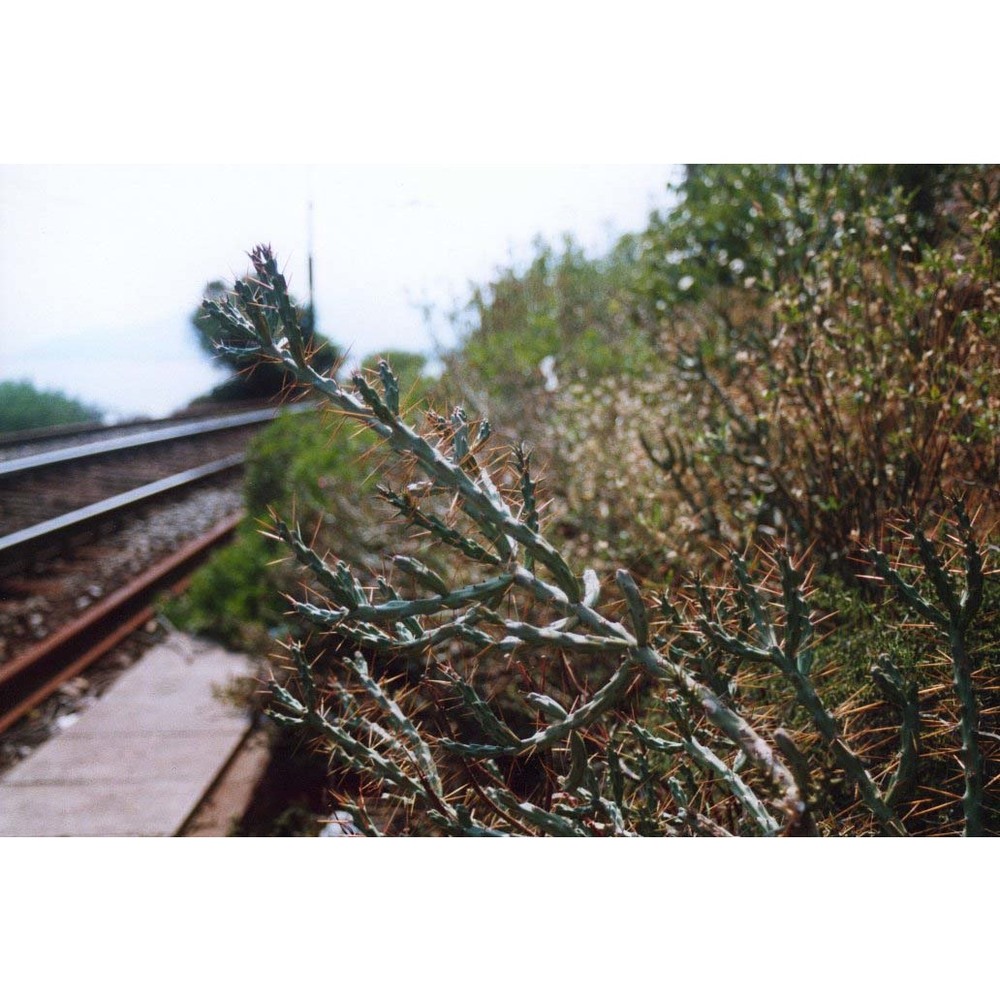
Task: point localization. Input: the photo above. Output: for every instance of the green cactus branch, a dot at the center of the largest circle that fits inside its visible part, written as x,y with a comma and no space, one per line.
707,760
414,515
953,620
483,503
794,660
903,694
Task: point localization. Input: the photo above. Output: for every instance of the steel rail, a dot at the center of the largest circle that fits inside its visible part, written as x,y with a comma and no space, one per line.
35,435
30,678
14,547
11,439
191,428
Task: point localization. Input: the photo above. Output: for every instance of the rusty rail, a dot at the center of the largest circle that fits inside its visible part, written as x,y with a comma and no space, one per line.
30,678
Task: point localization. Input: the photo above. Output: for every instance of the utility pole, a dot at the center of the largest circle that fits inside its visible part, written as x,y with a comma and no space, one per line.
312,300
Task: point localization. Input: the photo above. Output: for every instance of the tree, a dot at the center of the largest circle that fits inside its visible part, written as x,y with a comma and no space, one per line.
23,407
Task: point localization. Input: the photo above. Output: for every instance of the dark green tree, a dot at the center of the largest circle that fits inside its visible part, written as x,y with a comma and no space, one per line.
23,407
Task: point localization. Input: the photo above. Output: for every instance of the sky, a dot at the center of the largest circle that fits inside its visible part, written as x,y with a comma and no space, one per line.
102,266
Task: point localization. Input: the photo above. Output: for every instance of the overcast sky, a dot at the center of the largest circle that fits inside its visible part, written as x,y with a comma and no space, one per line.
101,266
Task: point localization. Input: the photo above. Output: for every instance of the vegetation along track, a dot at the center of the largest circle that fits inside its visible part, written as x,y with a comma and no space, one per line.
92,532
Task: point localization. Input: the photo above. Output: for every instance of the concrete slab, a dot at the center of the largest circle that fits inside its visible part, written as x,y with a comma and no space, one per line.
138,761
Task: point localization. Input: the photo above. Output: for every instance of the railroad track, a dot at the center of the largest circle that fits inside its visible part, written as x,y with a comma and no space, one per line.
51,496
14,444
81,512
30,678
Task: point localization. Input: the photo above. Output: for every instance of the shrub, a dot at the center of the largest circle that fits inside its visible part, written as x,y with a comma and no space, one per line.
859,375
562,318
23,408
236,597
301,466
638,715
743,226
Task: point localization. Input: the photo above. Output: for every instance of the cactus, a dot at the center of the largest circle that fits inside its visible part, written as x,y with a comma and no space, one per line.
793,656
404,711
953,617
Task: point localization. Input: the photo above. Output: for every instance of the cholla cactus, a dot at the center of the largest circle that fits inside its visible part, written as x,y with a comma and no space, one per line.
710,771
952,617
